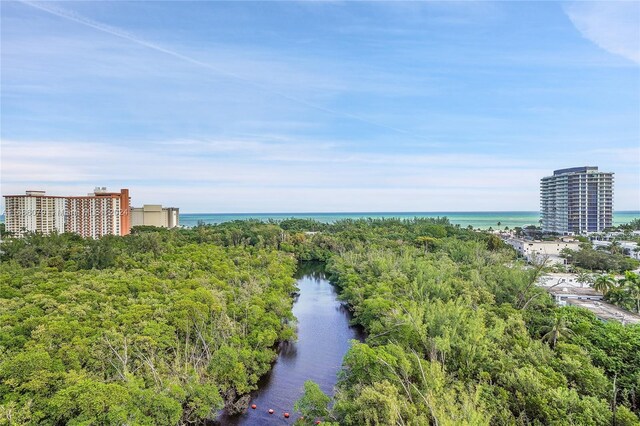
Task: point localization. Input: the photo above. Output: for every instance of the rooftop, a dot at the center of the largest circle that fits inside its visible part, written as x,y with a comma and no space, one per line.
568,290
582,169
561,279
606,311
98,192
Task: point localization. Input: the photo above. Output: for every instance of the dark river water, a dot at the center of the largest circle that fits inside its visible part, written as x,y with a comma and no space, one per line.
324,336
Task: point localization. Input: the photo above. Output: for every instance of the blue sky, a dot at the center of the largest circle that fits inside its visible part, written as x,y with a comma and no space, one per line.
319,106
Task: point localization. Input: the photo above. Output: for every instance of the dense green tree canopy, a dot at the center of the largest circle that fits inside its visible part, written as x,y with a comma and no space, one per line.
598,260
443,350
156,333
169,326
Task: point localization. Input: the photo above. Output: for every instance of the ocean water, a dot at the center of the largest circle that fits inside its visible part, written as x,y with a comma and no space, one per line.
482,220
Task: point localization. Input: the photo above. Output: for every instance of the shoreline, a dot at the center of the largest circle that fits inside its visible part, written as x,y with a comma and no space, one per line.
478,220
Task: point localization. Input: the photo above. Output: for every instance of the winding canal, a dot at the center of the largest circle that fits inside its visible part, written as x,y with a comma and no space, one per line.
324,336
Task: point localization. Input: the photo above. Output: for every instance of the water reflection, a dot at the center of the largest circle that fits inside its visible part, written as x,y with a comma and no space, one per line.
312,270
287,350
324,336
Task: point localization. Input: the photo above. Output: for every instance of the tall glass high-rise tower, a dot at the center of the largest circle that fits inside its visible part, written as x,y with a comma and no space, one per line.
576,200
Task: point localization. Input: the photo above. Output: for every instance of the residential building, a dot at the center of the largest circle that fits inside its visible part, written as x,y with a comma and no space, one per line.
603,310
577,200
567,289
548,251
34,212
99,213
155,215
94,215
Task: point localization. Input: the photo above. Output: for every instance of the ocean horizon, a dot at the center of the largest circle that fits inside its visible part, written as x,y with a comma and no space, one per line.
482,220
478,219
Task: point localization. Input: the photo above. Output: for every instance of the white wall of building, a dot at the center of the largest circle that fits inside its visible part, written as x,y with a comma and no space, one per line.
541,250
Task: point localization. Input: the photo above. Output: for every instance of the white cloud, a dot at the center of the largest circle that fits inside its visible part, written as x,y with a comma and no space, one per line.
612,25
178,130
253,175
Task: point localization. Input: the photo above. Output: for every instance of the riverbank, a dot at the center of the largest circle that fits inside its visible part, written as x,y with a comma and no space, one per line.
324,335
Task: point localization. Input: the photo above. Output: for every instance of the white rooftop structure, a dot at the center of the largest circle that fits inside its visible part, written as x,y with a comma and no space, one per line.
548,251
567,289
606,311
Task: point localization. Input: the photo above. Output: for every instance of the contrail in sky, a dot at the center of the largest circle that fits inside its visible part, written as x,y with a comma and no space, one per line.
73,16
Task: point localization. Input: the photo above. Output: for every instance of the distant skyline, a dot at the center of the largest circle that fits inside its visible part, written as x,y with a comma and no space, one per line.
319,106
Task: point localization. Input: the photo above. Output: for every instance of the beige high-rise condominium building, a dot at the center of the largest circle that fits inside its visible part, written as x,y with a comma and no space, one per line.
94,215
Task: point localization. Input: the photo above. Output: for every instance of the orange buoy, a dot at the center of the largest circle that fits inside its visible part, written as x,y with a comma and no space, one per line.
270,410
286,415
254,406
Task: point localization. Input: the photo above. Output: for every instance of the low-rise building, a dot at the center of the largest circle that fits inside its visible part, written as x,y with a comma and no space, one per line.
606,311
155,215
567,289
547,251
564,286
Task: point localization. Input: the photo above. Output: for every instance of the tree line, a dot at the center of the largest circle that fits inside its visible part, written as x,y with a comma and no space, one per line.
145,329
169,326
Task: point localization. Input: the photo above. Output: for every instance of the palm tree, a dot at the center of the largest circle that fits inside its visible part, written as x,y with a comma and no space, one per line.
615,248
604,283
585,278
631,283
619,296
558,330
426,242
